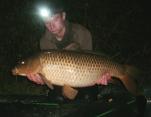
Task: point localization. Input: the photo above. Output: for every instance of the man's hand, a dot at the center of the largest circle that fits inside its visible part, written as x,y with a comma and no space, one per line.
36,78
104,79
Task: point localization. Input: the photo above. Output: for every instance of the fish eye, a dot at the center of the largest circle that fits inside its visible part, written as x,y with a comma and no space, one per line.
22,62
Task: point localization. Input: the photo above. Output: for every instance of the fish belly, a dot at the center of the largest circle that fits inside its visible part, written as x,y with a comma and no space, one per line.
65,75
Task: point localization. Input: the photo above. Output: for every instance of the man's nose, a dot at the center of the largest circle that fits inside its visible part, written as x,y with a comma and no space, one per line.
50,25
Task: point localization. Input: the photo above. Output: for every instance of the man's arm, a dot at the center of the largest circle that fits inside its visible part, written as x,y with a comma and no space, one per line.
82,36
46,42
86,41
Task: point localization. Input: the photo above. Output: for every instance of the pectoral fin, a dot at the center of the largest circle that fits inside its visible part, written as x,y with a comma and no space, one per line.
69,92
48,82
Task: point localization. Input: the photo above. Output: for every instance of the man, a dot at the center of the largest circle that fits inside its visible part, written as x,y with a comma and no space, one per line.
61,34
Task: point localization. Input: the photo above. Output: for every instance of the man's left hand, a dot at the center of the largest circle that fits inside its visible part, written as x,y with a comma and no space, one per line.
104,79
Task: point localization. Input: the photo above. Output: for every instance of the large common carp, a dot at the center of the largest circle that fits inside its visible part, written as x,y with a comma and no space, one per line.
75,69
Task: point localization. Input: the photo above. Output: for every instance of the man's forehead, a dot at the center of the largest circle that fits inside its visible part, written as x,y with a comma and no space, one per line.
57,15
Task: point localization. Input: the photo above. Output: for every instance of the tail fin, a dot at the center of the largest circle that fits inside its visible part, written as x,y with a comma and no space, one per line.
132,72
130,80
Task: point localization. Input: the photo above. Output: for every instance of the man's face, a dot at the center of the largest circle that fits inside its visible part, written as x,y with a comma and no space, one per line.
56,23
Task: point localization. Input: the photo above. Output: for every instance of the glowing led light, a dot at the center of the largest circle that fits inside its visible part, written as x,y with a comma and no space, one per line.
44,12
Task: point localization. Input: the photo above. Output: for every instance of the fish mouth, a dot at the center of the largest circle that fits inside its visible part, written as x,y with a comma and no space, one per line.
16,72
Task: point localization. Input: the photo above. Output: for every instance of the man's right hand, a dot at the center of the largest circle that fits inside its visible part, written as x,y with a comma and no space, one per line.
36,78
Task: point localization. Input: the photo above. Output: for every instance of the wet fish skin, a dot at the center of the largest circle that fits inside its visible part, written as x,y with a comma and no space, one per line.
75,69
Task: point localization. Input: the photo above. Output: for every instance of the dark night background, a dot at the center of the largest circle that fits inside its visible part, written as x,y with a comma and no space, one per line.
119,29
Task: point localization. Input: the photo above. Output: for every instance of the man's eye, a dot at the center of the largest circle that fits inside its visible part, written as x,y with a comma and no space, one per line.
56,18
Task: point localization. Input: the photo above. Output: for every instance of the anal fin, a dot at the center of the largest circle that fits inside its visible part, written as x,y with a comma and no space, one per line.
69,92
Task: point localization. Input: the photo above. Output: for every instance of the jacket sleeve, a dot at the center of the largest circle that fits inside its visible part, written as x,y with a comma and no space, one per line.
46,42
83,37
86,41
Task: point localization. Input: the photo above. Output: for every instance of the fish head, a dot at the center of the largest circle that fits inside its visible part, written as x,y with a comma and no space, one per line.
27,66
